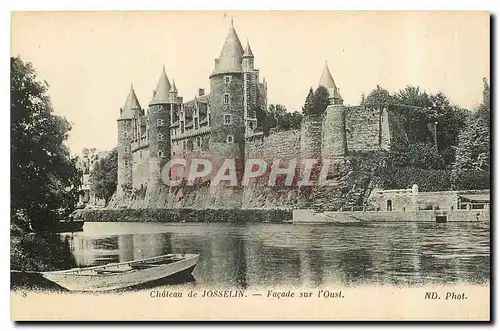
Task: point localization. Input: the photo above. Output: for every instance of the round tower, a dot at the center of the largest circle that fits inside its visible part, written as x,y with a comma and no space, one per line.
159,128
334,144
227,101
126,130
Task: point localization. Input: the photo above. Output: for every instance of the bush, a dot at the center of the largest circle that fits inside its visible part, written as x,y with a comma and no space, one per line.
428,180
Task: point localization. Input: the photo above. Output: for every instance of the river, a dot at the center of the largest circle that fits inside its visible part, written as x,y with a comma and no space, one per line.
265,254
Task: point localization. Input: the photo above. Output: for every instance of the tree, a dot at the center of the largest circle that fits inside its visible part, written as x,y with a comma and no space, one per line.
321,100
416,106
308,107
450,121
103,177
472,156
45,181
378,98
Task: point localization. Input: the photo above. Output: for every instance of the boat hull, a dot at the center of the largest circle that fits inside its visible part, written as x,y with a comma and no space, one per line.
101,282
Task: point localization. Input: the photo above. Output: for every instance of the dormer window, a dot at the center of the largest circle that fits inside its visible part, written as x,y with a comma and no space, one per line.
160,122
230,139
226,98
227,119
160,136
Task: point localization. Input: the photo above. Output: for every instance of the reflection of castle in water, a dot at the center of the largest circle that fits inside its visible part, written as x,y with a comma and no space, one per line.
256,255
118,248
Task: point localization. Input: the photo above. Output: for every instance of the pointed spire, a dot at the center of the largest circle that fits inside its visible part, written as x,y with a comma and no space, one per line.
160,94
132,106
173,89
230,56
248,50
327,81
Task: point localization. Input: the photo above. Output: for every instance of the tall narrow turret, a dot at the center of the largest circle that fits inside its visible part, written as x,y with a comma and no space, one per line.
126,130
227,100
334,142
159,128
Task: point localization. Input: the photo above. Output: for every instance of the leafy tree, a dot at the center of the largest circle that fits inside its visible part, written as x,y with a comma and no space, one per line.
308,107
473,150
450,121
321,100
317,101
416,108
378,98
279,118
45,181
103,177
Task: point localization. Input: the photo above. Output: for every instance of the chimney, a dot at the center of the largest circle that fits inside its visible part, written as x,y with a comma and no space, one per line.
201,92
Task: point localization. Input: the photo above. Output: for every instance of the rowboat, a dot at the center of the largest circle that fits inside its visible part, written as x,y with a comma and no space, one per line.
121,275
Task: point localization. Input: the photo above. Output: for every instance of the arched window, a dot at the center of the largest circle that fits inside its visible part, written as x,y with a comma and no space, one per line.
230,139
160,122
160,136
389,205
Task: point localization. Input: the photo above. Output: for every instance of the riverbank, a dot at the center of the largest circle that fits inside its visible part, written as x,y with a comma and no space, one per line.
184,215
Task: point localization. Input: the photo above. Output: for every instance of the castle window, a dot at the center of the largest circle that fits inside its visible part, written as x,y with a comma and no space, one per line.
160,107
227,79
160,136
182,126
226,98
230,139
196,123
160,154
198,141
160,122
227,119
184,144
125,149
126,163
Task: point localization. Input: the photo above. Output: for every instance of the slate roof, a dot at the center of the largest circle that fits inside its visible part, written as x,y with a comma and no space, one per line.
229,60
131,108
162,88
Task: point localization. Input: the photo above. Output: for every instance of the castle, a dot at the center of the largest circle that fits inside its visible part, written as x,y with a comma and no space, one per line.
223,123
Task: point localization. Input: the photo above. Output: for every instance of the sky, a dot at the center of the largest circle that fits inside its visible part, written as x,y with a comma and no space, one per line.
90,59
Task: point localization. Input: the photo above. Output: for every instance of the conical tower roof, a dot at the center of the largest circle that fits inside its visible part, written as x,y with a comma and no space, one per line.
248,51
131,107
327,81
173,89
161,93
230,56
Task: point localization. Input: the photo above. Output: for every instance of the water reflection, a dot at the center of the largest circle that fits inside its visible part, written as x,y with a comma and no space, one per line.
242,255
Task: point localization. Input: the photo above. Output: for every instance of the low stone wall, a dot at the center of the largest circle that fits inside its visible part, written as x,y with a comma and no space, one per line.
185,215
427,216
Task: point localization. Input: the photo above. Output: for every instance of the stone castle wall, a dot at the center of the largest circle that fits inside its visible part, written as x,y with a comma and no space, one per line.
140,168
363,128
311,136
283,145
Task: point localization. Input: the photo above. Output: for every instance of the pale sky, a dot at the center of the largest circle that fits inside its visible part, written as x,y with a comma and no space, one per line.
90,59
